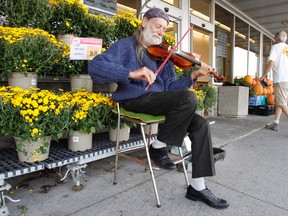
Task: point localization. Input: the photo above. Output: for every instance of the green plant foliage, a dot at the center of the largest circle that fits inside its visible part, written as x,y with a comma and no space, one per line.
210,96
66,17
26,13
185,72
98,26
124,25
28,50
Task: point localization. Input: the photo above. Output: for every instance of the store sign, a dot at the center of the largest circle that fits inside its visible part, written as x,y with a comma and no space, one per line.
221,50
105,5
84,48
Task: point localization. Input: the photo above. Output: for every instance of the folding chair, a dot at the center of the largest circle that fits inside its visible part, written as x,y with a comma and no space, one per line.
142,120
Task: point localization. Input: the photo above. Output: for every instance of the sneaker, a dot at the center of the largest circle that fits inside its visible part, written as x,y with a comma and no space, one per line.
161,158
273,126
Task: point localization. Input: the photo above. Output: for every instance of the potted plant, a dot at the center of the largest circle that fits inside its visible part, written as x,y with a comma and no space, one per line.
32,117
28,53
98,26
66,18
23,13
200,97
210,98
112,123
89,112
64,67
124,25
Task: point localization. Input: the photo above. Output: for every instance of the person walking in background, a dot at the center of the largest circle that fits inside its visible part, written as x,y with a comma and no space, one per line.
278,63
128,63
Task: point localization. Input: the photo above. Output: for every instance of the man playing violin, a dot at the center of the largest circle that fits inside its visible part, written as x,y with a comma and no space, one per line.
127,63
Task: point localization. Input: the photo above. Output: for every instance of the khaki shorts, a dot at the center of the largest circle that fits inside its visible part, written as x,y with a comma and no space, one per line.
281,93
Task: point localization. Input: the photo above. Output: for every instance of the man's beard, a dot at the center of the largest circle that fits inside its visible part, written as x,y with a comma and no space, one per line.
151,38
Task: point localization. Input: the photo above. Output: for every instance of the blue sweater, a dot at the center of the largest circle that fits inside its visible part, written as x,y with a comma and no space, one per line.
115,64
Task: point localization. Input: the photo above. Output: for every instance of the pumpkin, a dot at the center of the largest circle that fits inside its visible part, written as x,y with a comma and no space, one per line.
270,99
257,80
271,89
248,79
258,88
269,82
264,91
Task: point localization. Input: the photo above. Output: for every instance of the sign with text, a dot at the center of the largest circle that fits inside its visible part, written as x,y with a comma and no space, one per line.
103,5
221,50
84,48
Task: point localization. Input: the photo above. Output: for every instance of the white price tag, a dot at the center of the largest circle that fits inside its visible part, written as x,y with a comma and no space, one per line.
75,139
33,81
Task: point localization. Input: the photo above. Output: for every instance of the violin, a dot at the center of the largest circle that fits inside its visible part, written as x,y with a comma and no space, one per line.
181,59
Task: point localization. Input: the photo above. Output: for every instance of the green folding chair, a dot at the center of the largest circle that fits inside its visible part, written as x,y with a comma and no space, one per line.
144,119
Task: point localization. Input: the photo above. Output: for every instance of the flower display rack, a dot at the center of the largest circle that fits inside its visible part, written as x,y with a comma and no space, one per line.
61,156
102,148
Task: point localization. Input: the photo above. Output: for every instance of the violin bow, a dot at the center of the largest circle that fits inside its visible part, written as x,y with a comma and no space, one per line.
167,58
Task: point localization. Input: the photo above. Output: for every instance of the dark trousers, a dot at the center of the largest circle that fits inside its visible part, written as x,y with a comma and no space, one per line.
179,108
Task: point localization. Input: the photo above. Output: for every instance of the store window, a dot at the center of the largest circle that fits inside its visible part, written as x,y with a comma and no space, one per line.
240,66
201,44
202,48
253,62
267,43
124,5
201,9
174,3
107,8
223,38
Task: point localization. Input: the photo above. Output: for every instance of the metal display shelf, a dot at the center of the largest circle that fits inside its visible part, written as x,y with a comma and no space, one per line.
102,148
10,166
60,156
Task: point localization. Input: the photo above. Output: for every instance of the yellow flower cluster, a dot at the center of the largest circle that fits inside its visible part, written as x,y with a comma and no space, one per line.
84,100
200,97
178,69
169,38
33,104
31,115
128,16
79,3
14,34
36,105
101,18
199,93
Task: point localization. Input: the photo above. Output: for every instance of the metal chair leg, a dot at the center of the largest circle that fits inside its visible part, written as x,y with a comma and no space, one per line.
150,165
117,145
184,167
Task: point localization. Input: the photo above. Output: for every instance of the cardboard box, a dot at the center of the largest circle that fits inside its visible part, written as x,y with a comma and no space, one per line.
257,100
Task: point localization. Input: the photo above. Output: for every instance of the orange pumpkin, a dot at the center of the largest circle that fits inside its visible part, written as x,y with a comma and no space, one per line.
248,79
258,88
270,99
257,80
269,82
271,89
264,91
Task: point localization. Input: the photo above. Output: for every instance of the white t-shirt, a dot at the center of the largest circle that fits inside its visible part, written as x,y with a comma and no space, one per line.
279,55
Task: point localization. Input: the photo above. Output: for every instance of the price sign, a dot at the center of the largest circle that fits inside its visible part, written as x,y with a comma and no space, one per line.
84,48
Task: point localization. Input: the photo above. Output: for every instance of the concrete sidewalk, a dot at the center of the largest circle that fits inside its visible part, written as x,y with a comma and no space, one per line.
253,178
